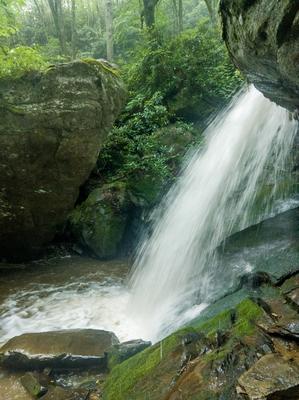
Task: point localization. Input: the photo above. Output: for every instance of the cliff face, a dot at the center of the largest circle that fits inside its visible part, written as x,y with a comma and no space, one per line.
52,127
262,37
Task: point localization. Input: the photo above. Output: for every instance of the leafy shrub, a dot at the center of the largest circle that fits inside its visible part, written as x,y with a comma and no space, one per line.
192,72
14,62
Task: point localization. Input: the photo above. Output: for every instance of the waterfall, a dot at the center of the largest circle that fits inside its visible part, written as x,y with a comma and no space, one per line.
175,273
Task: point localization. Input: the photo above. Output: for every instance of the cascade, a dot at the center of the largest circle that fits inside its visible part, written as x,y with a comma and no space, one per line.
176,271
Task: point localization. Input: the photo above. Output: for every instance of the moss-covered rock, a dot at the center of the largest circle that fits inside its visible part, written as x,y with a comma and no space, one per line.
156,372
99,222
220,357
53,124
262,37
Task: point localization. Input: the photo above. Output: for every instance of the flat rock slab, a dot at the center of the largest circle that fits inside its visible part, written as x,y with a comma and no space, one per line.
271,375
66,349
58,393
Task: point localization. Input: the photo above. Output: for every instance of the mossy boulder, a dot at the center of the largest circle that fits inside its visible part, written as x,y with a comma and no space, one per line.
53,124
262,37
248,347
157,372
99,223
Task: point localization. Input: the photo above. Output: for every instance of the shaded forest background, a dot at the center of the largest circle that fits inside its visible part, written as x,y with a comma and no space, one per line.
172,59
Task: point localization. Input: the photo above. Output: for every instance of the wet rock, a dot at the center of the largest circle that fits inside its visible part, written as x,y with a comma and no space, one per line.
189,364
254,280
100,221
58,393
32,384
123,351
67,349
271,377
262,38
290,289
11,387
52,127
282,319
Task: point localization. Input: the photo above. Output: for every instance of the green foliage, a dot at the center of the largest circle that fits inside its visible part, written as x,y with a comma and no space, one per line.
192,72
130,147
144,150
14,62
8,17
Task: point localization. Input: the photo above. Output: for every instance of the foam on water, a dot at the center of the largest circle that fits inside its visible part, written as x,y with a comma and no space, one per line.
176,268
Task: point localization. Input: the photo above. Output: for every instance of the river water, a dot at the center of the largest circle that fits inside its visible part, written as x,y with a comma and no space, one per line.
64,293
178,271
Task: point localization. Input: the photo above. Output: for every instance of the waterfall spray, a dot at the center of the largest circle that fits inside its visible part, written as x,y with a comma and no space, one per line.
175,271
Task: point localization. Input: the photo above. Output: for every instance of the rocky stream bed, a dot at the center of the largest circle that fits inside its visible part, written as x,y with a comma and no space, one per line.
244,345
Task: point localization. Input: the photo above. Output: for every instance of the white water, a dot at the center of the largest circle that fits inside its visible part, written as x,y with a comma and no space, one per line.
175,273
176,270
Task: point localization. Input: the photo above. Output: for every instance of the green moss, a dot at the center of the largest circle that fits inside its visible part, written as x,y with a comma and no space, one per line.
142,374
122,379
101,65
221,322
247,313
99,222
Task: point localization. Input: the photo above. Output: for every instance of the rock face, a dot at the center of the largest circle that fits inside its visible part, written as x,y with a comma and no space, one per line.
108,222
247,350
58,349
99,222
262,37
52,127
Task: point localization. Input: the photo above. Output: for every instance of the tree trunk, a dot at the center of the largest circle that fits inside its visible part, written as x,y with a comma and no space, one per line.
57,14
109,29
180,15
74,32
148,13
211,6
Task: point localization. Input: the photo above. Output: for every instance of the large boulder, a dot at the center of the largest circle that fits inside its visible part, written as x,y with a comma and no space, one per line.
52,126
262,37
81,348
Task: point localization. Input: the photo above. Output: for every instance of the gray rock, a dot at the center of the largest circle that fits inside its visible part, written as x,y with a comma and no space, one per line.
99,223
272,375
58,393
31,383
82,348
262,38
122,351
52,127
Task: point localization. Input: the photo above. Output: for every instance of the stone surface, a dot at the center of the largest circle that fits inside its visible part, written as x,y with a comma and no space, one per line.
122,351
82,348
52,127
100,221
31,383
262,37
244,348
58,393
11,387
269,376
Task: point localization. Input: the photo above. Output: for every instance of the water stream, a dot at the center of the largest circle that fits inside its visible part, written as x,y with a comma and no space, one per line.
177,271
175,274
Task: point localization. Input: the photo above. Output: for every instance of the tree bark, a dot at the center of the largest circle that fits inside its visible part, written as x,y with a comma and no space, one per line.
74,31
57,14
148,13
211,6
109,29
180,15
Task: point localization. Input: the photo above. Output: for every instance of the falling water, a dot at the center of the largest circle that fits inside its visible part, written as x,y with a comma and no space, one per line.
175,273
